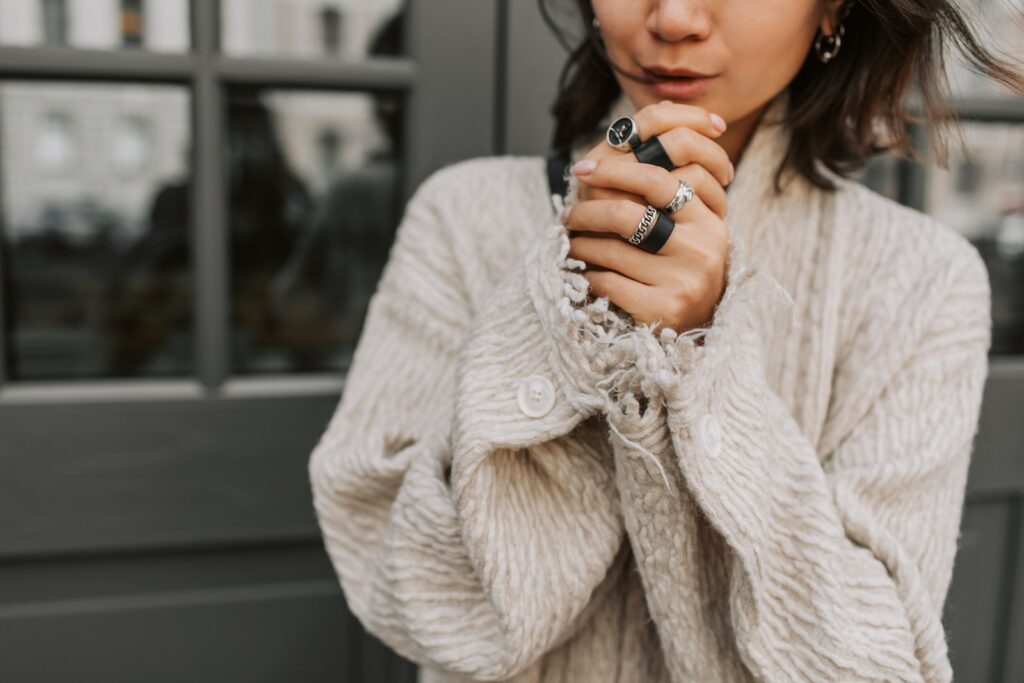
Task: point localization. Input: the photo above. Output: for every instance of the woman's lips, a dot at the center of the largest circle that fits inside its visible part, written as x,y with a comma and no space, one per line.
681,87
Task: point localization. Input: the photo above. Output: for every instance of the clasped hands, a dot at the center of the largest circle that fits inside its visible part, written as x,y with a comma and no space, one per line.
679,286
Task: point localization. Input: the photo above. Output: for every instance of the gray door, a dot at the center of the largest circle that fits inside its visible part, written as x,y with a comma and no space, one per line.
196,199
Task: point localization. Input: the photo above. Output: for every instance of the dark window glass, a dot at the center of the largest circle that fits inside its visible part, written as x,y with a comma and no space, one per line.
313,196
93,215
982,196
156,25
312,28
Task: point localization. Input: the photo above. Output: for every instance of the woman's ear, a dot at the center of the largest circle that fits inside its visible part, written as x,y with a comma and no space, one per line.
829,21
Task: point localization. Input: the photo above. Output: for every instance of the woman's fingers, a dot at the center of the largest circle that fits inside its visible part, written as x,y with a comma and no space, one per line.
656,119
655,184
590,191
686,131
636,298
611,216
705,186
614,254
621,218
687,146
694,240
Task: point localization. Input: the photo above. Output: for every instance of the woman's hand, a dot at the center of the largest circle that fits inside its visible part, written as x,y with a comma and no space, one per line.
681,284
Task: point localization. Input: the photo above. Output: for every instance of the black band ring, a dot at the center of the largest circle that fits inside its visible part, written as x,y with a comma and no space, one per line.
651,151
659,234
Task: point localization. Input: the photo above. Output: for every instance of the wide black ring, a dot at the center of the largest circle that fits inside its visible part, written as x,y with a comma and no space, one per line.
651,151
659,234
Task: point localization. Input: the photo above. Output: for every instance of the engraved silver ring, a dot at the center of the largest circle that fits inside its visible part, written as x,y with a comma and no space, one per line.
684,193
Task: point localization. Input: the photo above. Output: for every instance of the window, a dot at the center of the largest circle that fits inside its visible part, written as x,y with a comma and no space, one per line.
95,229
312,28
313,204
135,247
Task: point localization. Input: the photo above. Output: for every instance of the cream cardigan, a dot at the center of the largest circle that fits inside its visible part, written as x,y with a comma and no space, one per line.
781,503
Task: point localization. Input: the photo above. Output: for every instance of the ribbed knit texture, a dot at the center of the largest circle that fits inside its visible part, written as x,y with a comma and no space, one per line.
781,503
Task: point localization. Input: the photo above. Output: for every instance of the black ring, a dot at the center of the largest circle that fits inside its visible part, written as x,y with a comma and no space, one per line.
651,151
659,234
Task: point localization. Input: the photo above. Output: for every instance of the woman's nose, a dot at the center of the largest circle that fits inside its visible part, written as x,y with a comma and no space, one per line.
676,20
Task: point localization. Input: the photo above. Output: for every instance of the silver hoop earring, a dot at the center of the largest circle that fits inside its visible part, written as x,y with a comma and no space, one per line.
596,24
827,47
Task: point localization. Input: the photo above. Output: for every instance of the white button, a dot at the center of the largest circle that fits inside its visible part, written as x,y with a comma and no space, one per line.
536,396
710,435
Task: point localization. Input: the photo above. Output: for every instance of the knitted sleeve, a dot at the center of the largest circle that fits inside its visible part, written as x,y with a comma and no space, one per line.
467,535
842,550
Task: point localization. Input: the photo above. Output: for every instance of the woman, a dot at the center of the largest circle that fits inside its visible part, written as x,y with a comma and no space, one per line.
731,446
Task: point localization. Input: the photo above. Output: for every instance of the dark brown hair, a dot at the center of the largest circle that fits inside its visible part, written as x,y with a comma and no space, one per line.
889,48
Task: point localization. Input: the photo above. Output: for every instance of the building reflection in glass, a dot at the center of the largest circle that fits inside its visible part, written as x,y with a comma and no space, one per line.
96,267
154,25
347,29
313,200
982,197
314,203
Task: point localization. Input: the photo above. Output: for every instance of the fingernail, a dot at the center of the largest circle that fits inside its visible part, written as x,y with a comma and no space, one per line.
584,166
564,214
718,122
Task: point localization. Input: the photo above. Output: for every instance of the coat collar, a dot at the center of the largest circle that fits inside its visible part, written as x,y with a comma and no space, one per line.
751,196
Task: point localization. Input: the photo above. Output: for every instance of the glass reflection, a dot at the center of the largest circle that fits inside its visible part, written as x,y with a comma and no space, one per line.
314,204
155,25
94,242
347,29
982,196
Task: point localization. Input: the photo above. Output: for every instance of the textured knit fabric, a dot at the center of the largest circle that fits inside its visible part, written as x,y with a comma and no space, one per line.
780,503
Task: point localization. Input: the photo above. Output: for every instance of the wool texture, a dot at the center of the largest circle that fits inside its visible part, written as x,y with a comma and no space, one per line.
780,502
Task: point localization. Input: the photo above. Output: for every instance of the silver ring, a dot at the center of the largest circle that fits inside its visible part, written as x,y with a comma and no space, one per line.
644,226
684,193
622,135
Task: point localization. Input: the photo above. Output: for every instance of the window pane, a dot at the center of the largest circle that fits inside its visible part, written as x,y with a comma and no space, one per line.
157,25
349,29
982,196
93,214
1001,27
313,197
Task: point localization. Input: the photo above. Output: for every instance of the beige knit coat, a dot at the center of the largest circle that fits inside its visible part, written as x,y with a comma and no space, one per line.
521,483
